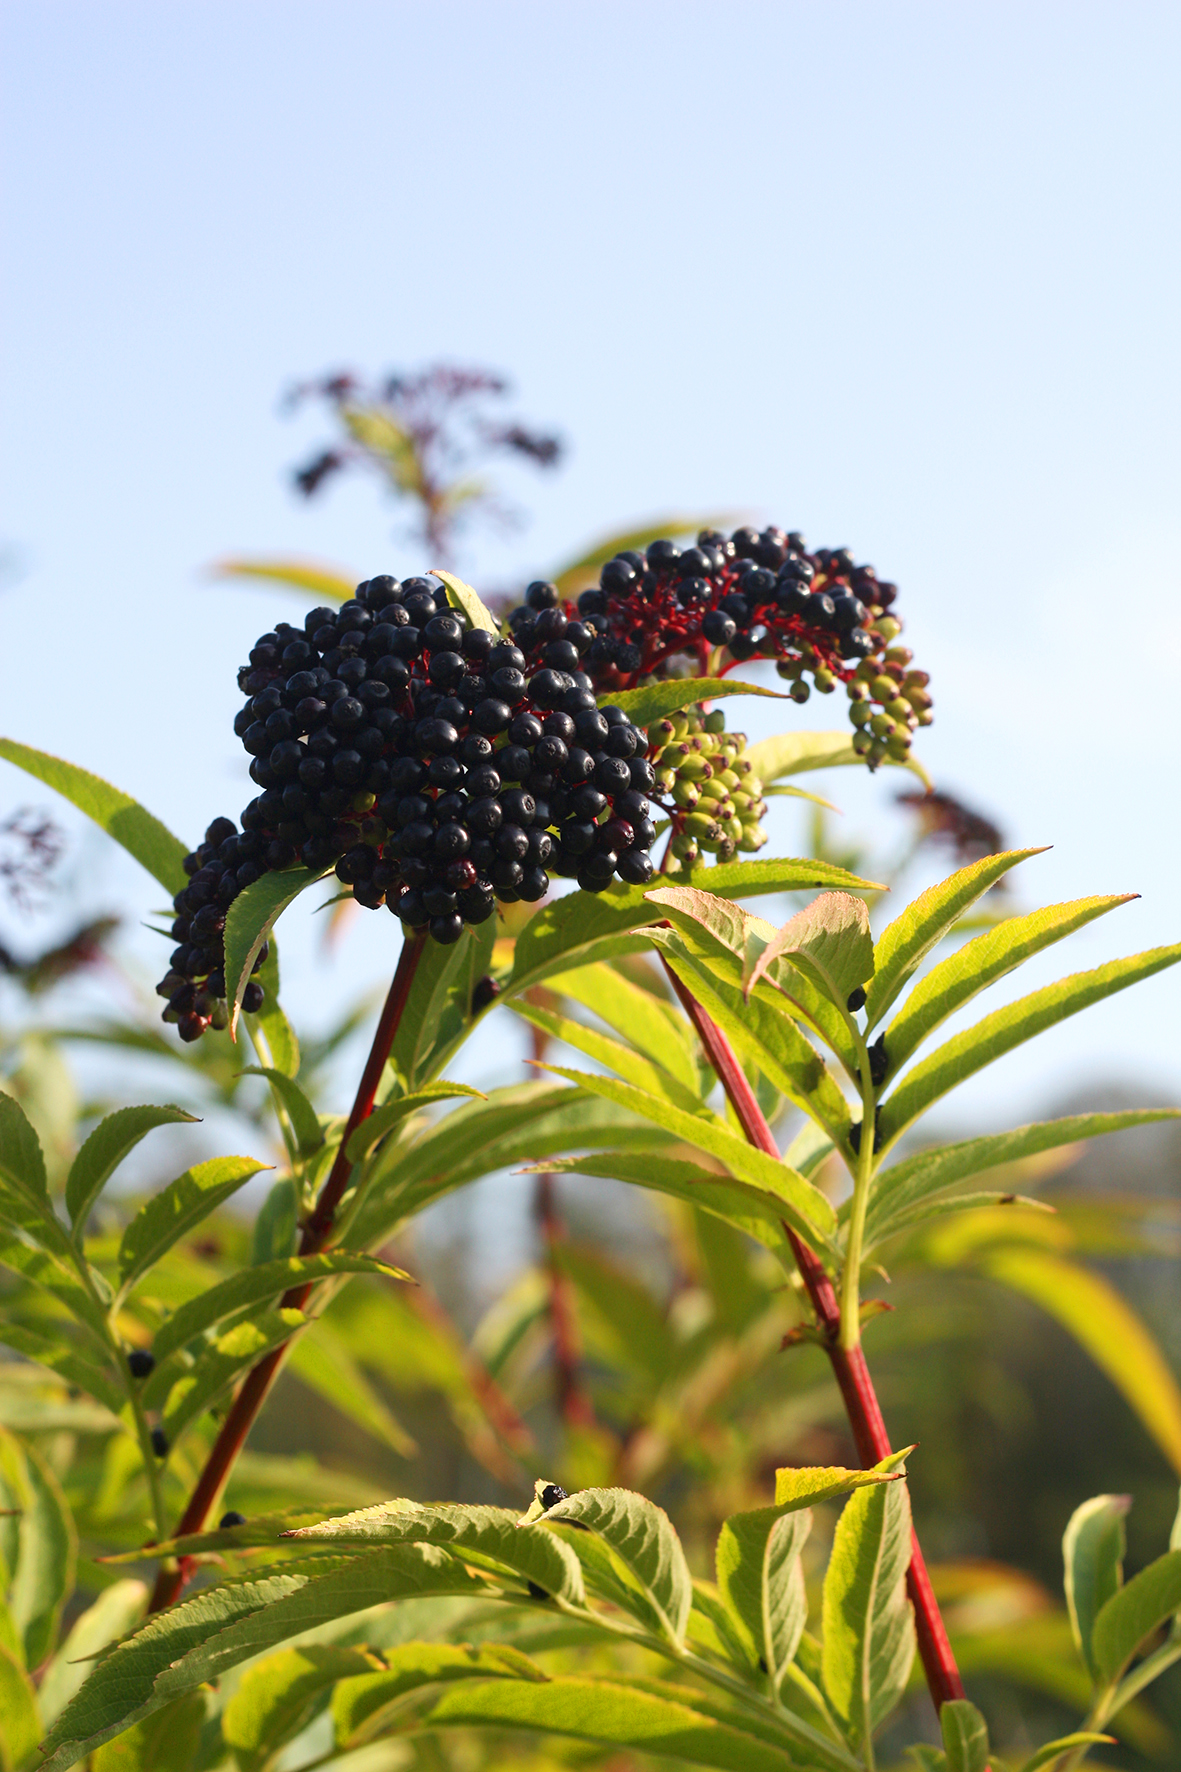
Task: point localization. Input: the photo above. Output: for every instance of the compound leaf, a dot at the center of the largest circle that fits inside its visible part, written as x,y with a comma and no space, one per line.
259,1285
106,1147
175,1211
642,1536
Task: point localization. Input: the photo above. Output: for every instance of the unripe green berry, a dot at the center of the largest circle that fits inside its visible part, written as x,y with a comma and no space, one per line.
883,688
888,627
861,713
685,793
800,691
824,681
898,707
898,746
752,838
862,742
882,726
715,720
703,827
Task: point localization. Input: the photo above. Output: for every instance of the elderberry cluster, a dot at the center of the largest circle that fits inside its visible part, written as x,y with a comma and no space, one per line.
431,763
753,594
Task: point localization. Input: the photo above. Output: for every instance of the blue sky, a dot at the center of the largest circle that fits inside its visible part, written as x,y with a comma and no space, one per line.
903,276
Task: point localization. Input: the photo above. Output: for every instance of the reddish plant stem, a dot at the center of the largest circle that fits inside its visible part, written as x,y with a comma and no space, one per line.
317,1231
848,1364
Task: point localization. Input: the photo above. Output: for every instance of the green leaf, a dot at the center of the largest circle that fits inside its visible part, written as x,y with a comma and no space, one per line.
58,1355
273,1035
359,1703
392,1112
1106,1326
805,1485
577,574
198,1640
167,1742
106,1148
561,932
1093,1554
178,1209
275,1223
56,1275
1054,1750
868,1630
793,753
324,1363
438,1012
300,575
752,1210
653,701
965,1736
463,597
979,963
20,1726
965,1054
22,1162
259,1285
632,1066
309,1135
217,1366
641,1535
803,1205
250,920
47,1551
259,1530
1133,1614
115,1611
829,941
761,1580
929,1171
488,1536
909,939
272,1699
651,1024
123,818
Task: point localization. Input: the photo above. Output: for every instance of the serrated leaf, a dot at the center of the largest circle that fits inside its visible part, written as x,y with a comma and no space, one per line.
259,1530
489,1536
22,1162
218,1365
46,1554
965,1054
166,1742
632,1066
916,1178
20,1725
250,920
259,1285
1133,1614
653,701
651,1024
309,1134
371,1131
761,1579
299,575
803,1205
829,941
270,1703
868,1631
275,1223
177,1209
562,931
463,597
642,1536
965,1736
905,944
1092,1555
979,963
124,819
358,1703
197,1640
752,1210
104,1150
1054,1750
114,1612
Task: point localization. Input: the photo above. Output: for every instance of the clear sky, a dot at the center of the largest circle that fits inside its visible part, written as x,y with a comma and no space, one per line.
902,276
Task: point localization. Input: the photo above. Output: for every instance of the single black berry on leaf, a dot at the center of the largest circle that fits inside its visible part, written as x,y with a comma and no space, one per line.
856,1000
551,1495
231,1519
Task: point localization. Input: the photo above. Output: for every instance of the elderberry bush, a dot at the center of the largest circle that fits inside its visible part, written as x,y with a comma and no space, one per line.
753,594
433,765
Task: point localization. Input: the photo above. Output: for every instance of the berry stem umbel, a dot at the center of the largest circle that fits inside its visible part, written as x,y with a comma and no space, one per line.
848,1363
317,1231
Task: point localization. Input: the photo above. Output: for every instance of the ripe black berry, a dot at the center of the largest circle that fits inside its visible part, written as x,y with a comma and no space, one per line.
140,1363
159,1442
551,1495
231,1519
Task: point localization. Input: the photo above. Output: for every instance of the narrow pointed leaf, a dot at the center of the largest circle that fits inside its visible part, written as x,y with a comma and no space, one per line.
576,575
371,1131
20,1726
653,701
106,1147
641,1535
216,1368
299,575
761,1580
979,963
804,1206
123,818
632,1066
868,1631
965,1736
22,1162
490,1534
438,1012
250,920
795,753
358,1702
309,1134
1003,1030
1093,1554
905,944
463,597
273,1035
1054,1750
829,941
1133,1614
178,1209
114,1612
269,1706
58,1356
323,1362
805,1485
47,1552
653,1026
752,1210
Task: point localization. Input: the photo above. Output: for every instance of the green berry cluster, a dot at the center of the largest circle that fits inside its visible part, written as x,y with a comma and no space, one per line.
888,700
706,784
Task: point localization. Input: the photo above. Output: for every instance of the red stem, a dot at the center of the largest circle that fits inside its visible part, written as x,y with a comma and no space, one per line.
848,1364
316,1233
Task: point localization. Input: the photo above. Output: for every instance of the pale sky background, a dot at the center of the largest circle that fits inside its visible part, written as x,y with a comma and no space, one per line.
903,276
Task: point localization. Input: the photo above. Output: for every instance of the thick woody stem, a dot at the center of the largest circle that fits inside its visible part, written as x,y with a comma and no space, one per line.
317,1231
848,1364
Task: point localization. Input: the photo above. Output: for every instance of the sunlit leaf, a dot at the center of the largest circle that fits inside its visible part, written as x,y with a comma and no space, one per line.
359,1703
20,1726
269,1705
309,1135
116,1609
323,1362
868,1631
104,1150
965,1736
577,574
371,1131
177,1209
249,921
829,941
1132,1615
463,597
653,701
641,1535
752,1210
46,1554
298,575
632,1066
1092,1555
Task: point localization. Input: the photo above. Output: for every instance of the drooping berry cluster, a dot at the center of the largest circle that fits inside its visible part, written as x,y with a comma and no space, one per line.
728,599
429,763
707,785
